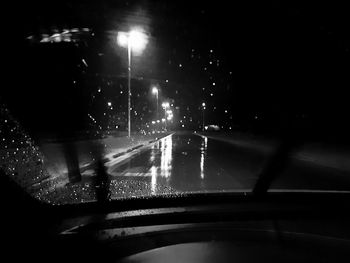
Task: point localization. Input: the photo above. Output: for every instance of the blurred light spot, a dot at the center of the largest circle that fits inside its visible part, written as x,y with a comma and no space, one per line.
84,62
166,156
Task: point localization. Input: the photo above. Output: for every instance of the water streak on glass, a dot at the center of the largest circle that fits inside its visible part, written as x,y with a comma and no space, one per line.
204,147
166,156
153,179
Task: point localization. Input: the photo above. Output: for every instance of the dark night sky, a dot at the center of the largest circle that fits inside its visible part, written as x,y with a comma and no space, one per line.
276,58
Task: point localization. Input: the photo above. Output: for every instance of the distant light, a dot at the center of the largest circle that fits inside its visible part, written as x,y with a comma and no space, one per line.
109,104
165,105
211,51
83,60
166,81
256,117
158,121
213,83
45,38
153,122
211,94
180,65
163,120
169,112
154,90
121,92
183,125
225,111
99,90
210,62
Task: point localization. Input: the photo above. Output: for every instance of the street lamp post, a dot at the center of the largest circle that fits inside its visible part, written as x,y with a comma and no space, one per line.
136,41
203,115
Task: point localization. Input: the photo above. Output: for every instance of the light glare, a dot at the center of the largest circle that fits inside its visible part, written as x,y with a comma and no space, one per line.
122,39
154,90
165,105
135,38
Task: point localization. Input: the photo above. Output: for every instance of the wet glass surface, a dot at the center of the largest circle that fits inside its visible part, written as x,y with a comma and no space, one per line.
188,164
120,99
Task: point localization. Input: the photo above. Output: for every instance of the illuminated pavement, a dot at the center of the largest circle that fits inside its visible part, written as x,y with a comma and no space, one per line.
190,163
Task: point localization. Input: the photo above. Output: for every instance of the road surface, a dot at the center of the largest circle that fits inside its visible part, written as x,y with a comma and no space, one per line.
191,163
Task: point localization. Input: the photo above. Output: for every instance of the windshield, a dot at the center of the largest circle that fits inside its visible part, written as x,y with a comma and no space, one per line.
120,99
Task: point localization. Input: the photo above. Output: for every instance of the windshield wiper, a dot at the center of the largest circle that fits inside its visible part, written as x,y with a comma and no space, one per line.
276,163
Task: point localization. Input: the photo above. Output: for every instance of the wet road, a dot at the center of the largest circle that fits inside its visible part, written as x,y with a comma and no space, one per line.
190,163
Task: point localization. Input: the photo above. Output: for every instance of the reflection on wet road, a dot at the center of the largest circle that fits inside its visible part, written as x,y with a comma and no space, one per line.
191,163
185,163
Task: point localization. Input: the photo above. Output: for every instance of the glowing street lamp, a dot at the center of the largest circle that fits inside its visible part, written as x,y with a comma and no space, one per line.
134,41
